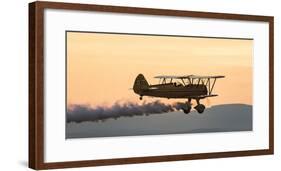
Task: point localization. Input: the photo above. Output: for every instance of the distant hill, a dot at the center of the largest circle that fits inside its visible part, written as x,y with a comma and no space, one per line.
220,118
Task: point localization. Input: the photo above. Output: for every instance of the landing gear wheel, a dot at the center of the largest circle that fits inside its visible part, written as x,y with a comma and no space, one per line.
140,97
200,108
187,109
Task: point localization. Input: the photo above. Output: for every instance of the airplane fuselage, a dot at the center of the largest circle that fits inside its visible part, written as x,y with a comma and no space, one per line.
171,90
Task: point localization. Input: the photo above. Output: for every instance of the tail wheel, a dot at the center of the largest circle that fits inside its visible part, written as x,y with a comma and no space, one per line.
200,108
140,97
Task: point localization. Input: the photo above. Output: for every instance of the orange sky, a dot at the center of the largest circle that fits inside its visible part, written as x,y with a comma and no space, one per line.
101,68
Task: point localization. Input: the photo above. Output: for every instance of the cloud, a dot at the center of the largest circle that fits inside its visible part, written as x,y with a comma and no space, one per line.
81,113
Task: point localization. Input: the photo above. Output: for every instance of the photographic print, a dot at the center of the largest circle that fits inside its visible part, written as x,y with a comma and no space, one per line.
124,84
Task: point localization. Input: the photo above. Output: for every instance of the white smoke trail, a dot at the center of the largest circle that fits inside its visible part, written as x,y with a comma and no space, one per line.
81,113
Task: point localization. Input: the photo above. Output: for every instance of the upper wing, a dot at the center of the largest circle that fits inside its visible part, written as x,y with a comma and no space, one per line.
188,76
205,77
172,76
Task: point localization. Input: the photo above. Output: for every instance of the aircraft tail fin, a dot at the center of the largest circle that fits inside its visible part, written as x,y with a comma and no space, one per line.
140,84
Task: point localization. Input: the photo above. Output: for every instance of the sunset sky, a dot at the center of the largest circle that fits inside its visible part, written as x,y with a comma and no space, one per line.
101,68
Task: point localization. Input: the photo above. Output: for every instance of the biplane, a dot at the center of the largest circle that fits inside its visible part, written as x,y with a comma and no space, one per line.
187,87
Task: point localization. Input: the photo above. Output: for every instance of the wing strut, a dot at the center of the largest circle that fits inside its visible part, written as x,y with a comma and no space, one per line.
210,92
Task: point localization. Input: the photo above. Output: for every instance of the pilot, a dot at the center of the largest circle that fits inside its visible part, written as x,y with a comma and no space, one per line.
177,84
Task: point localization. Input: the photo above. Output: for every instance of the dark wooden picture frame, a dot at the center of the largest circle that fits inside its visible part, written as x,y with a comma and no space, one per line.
36,84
